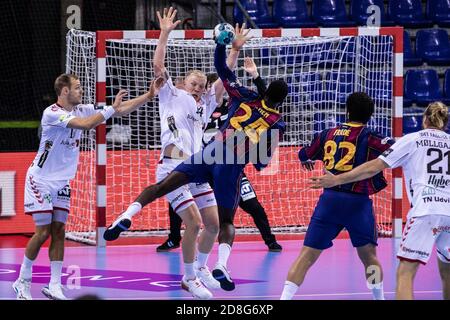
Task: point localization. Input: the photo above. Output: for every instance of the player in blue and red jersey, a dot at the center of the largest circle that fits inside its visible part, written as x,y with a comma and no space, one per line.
344,206
253,124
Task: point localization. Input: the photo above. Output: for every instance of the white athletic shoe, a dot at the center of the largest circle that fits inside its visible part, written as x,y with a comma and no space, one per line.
196,288
221,274
22,288
54,292
206,277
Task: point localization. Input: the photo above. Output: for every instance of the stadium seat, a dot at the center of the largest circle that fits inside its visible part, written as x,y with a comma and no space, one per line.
325,120
422,86
409,57
433,46
439,12
412,119
330,13
408,13
447,87
338,86
358,12
258,11
292,14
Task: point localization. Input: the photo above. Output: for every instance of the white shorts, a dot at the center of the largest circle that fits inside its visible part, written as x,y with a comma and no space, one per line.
42,198
199,193
420,235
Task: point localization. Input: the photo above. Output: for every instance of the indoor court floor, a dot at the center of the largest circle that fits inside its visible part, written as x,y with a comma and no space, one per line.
135,272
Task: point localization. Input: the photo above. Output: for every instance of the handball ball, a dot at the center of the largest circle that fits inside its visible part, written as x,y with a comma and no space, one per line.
224,33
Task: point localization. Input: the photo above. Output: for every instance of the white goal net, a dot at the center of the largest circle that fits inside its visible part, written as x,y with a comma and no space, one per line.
320,71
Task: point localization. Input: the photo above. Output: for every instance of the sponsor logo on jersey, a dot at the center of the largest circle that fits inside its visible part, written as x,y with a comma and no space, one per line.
440,229
48,198
438,181
63,117
70,143
64,193
247,191
387,152
409,250
29,205
385,140
428,191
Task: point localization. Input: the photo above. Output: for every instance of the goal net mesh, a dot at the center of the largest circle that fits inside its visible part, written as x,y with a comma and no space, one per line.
320,71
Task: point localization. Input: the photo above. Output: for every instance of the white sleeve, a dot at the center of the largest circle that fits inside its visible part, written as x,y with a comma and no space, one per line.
400,152
57,118
87,110
210,101
167,92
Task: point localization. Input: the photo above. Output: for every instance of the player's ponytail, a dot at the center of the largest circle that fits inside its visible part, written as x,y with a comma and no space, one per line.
437,115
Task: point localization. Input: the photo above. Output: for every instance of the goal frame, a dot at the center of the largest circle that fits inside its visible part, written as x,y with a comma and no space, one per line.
100,96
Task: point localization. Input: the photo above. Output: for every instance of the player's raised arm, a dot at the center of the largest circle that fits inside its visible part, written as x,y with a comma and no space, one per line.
129,106
240,39
250,68
167,25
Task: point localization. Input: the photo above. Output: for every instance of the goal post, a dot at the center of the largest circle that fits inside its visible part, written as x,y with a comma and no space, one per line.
321,66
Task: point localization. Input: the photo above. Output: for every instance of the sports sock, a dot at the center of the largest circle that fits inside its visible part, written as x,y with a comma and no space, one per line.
202,259
224,253
26,268
55,269
189,272
132,210
289,290
377,290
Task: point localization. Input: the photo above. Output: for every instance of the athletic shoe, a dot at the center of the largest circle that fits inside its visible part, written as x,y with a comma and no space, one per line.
122,223
196,288
221,274
207,278
274,247
54,292
22,289
168,245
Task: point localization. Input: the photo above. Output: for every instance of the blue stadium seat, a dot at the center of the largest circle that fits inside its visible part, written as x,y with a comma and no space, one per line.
258,10
379,84
325,120
408,13
439,12
422,86
433,46
358,12
338,86
412,120
409,57
447,87
292,14
330,13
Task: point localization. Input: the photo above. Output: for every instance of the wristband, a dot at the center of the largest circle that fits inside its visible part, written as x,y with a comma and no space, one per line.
108,112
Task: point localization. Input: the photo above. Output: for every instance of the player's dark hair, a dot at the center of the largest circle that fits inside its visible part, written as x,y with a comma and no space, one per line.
276,92
360,107
62,81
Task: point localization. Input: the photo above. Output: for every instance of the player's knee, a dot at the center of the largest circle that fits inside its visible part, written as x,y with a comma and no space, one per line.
42,234
193,223
212,228
58,232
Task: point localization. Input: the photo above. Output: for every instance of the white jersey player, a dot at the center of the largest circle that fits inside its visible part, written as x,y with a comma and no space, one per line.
184,114
47,185
425,159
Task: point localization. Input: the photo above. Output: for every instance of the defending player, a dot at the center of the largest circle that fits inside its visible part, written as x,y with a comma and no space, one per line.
252,120
425,159
347,206
249,201
47,185
184,114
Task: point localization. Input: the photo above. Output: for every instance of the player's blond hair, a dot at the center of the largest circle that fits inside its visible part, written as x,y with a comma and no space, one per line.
196,73
64,80
437,115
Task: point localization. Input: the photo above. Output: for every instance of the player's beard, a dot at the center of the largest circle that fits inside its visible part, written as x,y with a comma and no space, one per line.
73,100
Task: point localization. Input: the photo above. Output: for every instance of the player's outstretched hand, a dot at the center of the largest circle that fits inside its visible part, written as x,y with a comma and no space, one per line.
241,36
328,180
308,165
118,100
250,67
166,21
155,86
